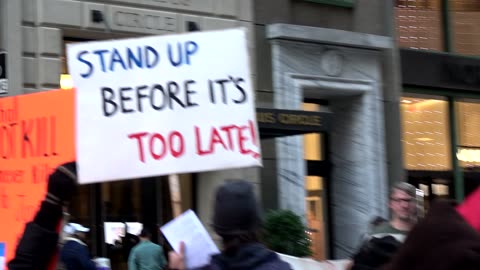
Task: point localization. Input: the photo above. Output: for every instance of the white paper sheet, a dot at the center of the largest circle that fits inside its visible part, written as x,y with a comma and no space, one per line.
199,246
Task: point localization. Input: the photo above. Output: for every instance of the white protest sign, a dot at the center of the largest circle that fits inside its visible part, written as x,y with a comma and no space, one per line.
199,246
163,105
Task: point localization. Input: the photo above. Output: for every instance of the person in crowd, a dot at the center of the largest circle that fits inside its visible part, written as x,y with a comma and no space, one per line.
74,254
37,248
65,234
448,238
146,255
236,220
129,242
385,238
403,206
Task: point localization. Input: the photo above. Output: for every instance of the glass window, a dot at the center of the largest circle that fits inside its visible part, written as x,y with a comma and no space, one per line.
465,24
426,139
80,209
121,202
116,211
419,24
468,151
427,146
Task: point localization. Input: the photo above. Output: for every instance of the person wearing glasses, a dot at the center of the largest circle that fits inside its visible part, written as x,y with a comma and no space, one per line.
385,238
403,206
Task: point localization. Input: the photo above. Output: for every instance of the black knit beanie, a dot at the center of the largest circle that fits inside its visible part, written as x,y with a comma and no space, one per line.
62,183
236,210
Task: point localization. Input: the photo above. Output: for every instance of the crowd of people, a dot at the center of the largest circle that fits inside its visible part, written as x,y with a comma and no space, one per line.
448,237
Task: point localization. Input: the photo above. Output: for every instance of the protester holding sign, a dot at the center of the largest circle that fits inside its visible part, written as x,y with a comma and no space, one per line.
36,136
38,246
236,219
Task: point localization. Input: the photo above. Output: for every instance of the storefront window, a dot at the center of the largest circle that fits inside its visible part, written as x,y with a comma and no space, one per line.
427,145
130,205
315,191
468,151
121,202
419,24
465,17
426,138
117,211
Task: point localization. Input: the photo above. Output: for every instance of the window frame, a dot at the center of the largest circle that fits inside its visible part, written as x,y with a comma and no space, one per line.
446,29
452,97
338,3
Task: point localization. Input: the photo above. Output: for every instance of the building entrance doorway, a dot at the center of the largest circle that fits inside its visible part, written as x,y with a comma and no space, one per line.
318,169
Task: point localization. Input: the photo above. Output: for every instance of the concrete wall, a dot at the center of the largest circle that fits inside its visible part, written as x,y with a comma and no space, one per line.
357,19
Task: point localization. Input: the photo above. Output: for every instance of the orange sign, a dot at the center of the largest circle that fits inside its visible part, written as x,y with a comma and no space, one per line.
36,135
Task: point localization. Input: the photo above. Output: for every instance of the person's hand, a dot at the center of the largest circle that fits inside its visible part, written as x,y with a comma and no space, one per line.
176,261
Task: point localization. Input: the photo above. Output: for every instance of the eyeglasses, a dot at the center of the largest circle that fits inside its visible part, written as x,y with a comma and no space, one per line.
409,200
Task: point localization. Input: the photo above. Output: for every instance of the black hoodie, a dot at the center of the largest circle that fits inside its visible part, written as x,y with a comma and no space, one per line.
250,256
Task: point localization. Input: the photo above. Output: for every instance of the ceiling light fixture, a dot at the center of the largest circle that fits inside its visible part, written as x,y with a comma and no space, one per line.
423,139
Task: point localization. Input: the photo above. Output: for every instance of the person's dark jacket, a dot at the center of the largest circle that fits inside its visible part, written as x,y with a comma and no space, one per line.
248,257
38,245
36,248
443,240
75,256
375,252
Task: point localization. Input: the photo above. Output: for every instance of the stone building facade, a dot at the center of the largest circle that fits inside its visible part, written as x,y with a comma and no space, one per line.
339,53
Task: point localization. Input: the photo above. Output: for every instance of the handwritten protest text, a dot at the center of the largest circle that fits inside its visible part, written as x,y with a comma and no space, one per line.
111,60
230,138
